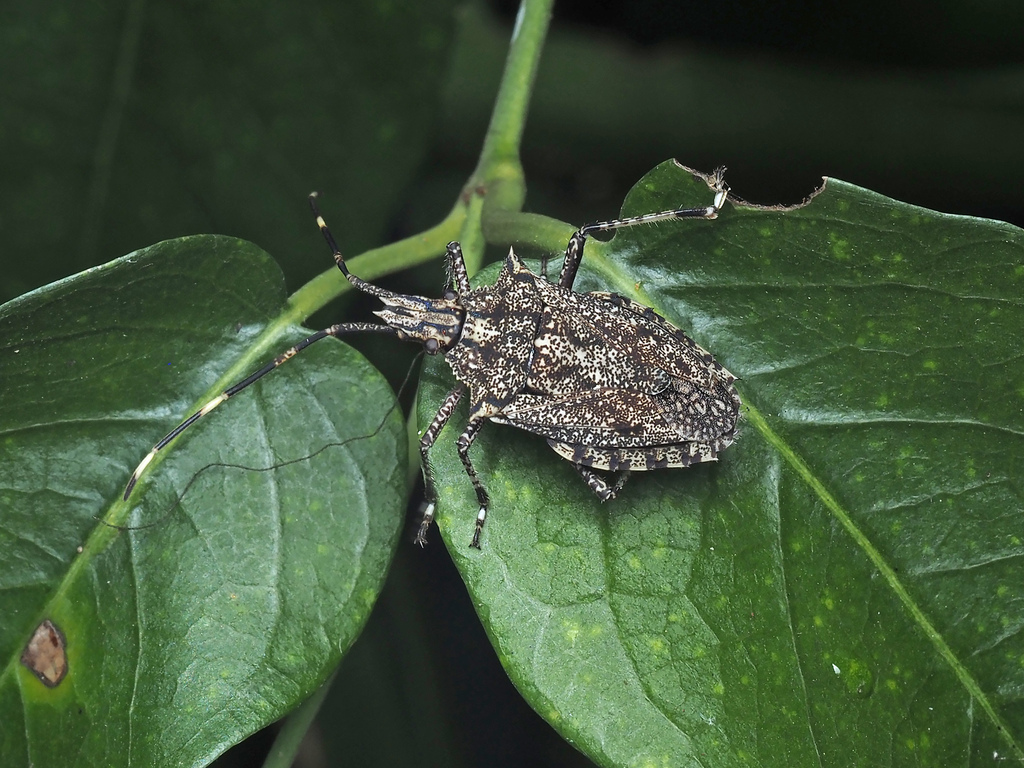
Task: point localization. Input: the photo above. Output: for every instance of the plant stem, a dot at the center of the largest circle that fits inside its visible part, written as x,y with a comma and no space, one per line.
499,169
532,230
293,730
498,177
472,236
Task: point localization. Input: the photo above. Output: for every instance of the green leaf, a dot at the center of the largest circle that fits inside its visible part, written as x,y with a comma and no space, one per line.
188,624
844,586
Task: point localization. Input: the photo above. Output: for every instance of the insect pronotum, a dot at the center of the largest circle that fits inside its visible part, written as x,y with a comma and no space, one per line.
610,384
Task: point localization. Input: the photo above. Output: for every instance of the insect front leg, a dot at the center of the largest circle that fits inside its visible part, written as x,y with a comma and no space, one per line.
465,441
426,443
574,250
458,277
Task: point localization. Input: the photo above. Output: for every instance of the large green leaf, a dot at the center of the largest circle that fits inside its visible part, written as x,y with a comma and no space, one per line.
189,625
845,586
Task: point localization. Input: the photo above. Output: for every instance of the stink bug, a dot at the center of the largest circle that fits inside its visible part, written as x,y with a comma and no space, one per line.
610,384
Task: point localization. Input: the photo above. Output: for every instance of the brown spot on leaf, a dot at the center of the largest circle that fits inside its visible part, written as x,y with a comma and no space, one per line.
45,656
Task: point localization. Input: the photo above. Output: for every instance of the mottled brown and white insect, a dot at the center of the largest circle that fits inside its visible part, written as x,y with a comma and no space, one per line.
610,384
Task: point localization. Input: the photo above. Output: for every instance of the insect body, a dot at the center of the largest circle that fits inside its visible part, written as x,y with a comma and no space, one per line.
611,385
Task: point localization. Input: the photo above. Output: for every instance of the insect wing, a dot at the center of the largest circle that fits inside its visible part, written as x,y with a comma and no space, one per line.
642,334
610,372
601,417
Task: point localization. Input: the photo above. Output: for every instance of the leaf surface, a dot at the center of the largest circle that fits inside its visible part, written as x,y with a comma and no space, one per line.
188,624
844,587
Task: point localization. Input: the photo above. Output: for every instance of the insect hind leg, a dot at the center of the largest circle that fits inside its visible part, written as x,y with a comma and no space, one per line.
463,445
574,250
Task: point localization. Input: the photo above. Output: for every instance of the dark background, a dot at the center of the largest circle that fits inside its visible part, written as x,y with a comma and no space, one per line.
921,101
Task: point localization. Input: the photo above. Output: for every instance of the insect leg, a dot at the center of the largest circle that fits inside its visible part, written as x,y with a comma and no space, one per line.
426,442
334,330
465,441
574,251
458,277
599,484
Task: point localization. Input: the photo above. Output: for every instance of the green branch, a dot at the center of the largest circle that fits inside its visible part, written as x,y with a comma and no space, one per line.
499,172
499,158
496,188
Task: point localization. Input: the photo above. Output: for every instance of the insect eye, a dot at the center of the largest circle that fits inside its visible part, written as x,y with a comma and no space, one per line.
450,295
431,345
